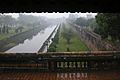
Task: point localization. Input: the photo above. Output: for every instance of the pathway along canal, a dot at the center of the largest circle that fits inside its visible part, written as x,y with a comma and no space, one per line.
33,45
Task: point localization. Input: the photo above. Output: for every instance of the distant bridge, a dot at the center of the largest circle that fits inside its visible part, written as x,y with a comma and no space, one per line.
60,61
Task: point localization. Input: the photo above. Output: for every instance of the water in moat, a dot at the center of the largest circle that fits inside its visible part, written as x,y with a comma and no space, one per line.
34,44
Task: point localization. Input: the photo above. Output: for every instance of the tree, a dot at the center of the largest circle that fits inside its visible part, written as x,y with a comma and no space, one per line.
19,29
7,19
67,35
3,29
109,25
7,29
81,21
68,49
84,22
0,30
52,48
93,25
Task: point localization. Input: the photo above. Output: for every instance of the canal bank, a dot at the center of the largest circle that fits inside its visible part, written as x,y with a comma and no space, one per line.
34,44
67,40
14,40
48,41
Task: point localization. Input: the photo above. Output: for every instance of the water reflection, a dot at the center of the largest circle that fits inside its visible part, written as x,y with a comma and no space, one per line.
30,38
33,45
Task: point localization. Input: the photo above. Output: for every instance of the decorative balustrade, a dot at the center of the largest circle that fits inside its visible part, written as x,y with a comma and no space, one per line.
61,61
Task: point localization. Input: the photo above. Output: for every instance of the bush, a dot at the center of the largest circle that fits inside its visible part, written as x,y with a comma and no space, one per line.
52,49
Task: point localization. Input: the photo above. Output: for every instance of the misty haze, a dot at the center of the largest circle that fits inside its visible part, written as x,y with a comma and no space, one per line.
71,46
38,32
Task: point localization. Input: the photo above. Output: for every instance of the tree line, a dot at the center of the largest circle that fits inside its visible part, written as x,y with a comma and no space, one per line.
83,22
109,26
7,22
4,29
105,24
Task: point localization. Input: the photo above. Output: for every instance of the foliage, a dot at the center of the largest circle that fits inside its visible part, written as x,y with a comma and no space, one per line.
67,33
7,19
75,43
52,48
81,21
109,25
19,29
93,25
4,29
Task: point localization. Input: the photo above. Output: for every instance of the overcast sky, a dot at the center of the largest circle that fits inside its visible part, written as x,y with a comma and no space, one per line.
51,15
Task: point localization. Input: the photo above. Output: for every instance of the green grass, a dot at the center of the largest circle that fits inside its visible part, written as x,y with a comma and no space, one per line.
75,43
62,46
10,45
11,32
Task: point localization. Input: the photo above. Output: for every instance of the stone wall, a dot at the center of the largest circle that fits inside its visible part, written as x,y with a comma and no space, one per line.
93,40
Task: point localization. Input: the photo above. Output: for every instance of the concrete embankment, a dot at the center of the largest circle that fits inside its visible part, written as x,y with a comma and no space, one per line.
47,40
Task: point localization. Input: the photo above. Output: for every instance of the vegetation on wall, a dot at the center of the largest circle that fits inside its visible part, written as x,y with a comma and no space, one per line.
67,41
109,26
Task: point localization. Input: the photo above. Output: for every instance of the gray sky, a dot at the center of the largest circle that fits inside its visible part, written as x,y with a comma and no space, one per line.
51,15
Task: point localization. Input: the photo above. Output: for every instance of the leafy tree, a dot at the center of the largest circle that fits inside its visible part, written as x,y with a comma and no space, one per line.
109,25
67,35
7,29
84,22
3,29
81,21
0,30
19,29
93,25
52,48
68,49
7,19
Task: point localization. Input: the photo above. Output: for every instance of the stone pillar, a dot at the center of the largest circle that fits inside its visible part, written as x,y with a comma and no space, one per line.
61,64
86,64
58,64
66,65
82,64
